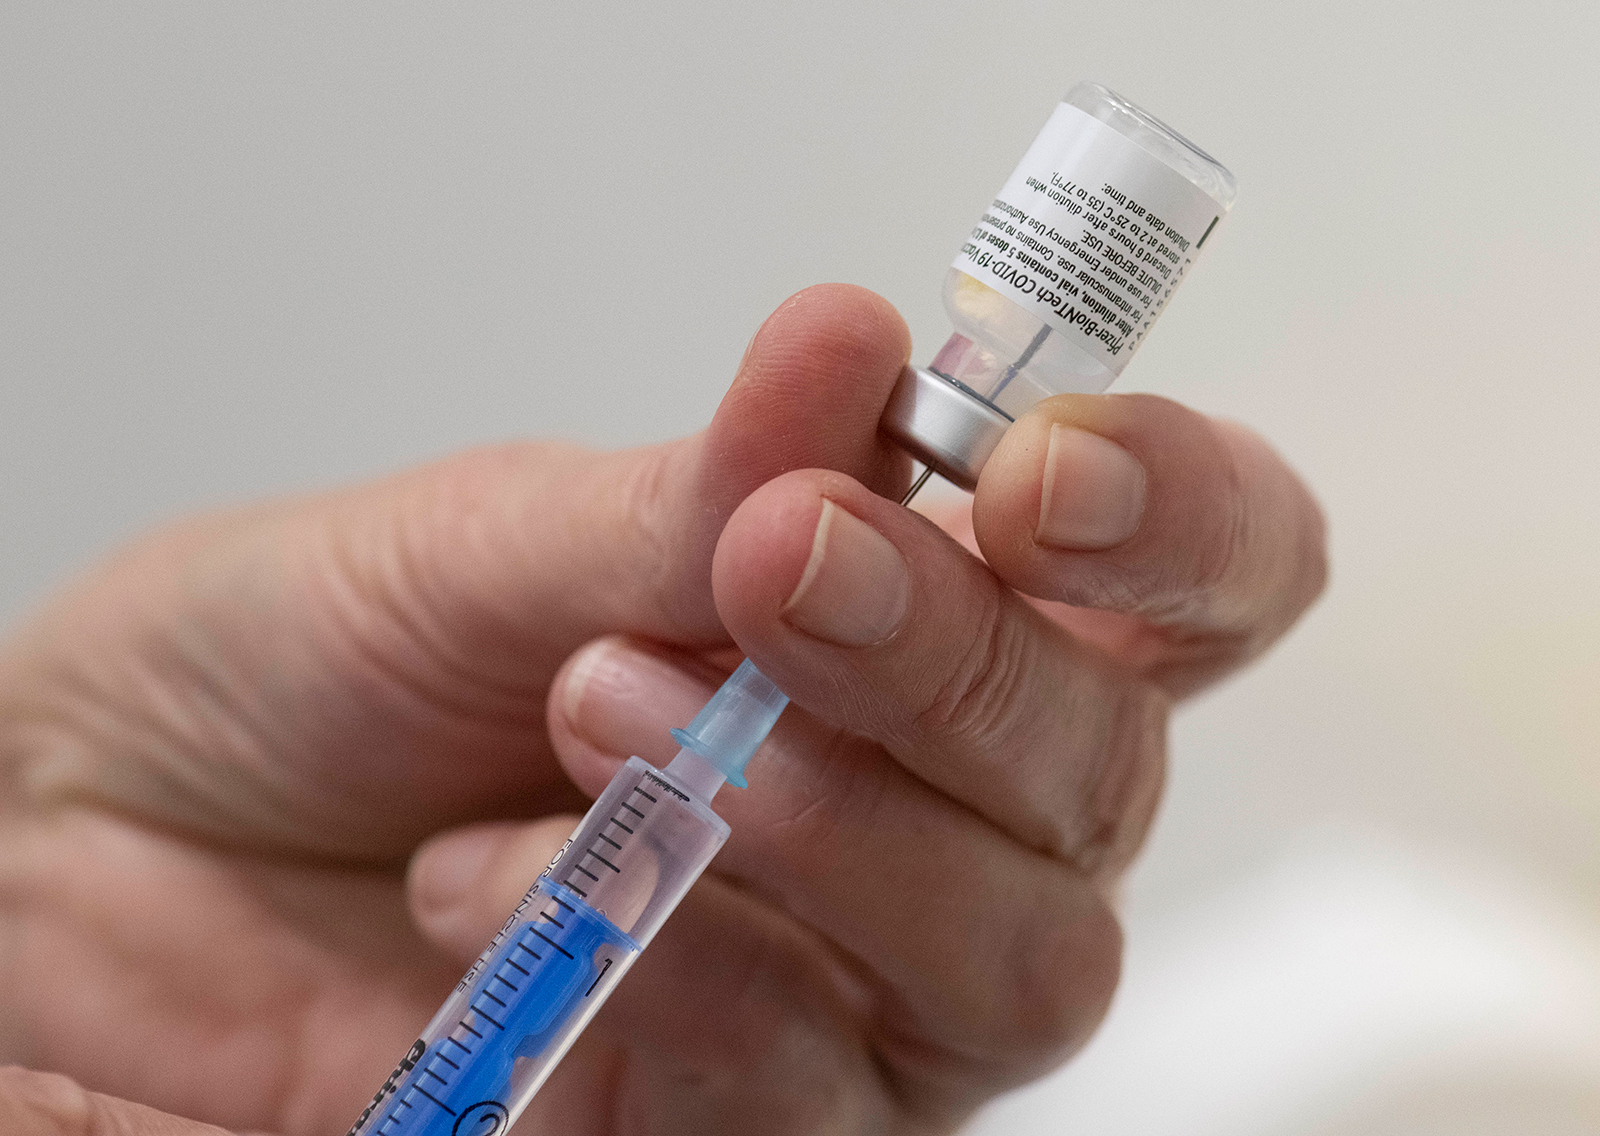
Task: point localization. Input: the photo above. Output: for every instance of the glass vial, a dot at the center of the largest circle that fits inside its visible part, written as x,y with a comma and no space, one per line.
1062,277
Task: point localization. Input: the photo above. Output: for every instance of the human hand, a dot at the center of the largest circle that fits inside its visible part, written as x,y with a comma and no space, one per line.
264,776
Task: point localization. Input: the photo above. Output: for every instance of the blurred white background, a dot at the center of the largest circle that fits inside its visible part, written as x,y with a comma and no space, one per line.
250,249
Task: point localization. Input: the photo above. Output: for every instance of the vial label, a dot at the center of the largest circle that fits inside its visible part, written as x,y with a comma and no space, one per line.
1092,233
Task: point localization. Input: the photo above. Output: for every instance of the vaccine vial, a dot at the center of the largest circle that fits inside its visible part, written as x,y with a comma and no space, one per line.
1062,277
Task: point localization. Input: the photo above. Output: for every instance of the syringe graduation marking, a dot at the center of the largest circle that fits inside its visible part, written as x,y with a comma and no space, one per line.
551,941
488,1015
543,975
576,864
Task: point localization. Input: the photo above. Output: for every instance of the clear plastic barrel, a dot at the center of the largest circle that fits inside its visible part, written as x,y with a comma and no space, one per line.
573,936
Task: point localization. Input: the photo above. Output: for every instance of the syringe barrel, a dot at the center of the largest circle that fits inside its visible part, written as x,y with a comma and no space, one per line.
645,840
525,1001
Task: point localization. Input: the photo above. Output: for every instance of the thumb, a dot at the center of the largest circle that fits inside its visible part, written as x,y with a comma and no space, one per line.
808,394
48,1104
520,554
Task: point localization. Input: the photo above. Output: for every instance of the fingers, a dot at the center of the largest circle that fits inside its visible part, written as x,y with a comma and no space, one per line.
47,1104
1135,504
874,620
460,879
989,960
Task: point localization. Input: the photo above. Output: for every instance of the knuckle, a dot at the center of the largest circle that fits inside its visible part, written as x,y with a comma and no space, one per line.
1264,560
833,805
1313,551
779,1025
462,497
1060,975
1094,786
979,697
45,1104
653,536
462,523
1215,548
1118,798
434,530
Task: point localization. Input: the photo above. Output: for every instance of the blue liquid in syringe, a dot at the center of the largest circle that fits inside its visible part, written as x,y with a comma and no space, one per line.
541,974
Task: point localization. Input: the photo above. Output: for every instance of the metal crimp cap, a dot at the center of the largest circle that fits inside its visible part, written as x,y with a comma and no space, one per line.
944,424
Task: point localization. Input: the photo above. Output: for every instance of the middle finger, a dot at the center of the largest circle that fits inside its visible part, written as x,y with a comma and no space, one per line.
873,619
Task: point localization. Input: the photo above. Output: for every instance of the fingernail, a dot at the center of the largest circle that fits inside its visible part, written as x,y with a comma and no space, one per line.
447,871
855,586
621,700
1093,492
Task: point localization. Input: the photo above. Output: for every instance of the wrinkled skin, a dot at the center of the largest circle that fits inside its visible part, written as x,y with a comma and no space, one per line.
270,779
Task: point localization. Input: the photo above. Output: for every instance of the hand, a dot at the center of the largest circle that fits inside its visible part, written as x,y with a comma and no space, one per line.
266,778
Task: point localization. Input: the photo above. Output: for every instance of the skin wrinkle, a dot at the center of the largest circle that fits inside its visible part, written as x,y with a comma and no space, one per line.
407,593
130,799
65,1108
1105,757
204,688
1213,585
865,999
785,382
449,522
59,1106
216,1030
349,621
1043,1018
773,966
93,717
963,702
357,590
1303,570
1120,796
932,1082
1055,1011
911,1023
853,981
160,714
1223,596
648,489
981,702
522,728
831,790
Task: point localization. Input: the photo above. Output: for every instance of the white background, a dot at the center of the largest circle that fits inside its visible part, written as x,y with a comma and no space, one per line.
251,249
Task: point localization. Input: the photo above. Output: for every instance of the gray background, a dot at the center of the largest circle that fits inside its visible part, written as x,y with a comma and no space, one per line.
251,249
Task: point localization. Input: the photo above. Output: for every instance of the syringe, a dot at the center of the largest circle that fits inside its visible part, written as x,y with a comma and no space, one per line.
574,935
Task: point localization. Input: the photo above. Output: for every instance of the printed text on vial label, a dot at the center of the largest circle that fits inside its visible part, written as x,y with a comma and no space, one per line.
1096,257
